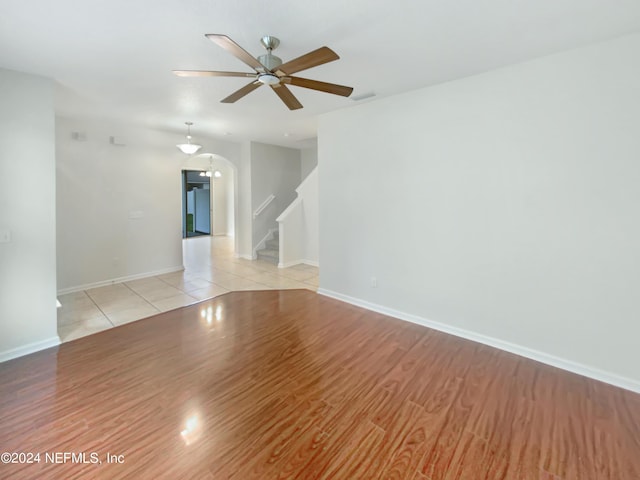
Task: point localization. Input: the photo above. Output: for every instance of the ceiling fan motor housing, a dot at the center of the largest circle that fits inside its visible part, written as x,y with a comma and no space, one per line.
270,61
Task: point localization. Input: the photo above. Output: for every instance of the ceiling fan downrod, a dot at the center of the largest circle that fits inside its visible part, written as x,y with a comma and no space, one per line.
269,60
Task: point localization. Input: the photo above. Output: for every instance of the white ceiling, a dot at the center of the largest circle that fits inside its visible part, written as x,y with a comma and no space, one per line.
113,59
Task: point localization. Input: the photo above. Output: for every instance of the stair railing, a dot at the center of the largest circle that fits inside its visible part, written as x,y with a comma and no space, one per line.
263,205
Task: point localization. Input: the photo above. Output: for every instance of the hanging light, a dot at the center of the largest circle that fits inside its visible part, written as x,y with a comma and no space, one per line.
189,148
210,172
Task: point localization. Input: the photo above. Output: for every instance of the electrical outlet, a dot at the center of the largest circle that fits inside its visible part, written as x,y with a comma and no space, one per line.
374,282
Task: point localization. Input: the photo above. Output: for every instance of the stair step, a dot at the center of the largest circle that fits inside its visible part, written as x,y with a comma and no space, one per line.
268,252
269,255
273,244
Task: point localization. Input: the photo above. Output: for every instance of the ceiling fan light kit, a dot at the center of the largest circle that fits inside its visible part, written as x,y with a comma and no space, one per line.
189,148
268,79
269,70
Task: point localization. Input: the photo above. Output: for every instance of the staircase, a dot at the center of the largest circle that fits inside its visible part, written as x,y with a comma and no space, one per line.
271,252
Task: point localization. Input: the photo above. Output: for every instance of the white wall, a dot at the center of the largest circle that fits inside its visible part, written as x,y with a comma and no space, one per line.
291,235
27,211
244,220
298,225
119,207
504,205
223,201
308,161
274,170
308,192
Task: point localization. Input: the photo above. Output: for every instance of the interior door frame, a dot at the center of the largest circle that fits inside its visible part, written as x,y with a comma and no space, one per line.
184,182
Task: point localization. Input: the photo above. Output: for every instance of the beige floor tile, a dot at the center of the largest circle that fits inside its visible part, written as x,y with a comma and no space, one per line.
265,266
165,291
225,266
75,304
277,281
176,278
286,283
73,297
123,303
240,284
132,314
300,275
240,270
171,303
215,276
68,316
195,284
315,281
145,284
106,296
208,292
264,277
84,328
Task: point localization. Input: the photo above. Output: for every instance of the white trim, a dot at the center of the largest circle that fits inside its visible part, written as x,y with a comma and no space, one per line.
29,348
289,264
243,255
306,179
287,211
564,364
128,278
263,205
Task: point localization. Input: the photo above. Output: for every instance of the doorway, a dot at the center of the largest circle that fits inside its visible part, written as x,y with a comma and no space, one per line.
196,204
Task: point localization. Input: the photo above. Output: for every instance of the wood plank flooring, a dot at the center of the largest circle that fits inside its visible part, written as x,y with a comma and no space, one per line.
290,384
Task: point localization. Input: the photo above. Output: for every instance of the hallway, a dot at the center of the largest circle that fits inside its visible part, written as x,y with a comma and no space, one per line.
210,270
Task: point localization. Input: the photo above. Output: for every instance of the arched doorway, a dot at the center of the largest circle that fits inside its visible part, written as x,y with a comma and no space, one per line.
222,176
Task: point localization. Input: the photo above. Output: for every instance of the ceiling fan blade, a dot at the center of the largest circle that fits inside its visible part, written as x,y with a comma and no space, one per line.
207,73
238,94
287,97
317,85
236,50
312,59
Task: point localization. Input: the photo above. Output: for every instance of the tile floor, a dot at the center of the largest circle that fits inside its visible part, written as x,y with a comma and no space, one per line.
210,270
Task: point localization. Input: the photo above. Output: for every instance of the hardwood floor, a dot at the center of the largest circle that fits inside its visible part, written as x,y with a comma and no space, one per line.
290,384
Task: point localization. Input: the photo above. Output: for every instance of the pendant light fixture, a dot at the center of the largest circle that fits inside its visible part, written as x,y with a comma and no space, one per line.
216,173
189,148
211,171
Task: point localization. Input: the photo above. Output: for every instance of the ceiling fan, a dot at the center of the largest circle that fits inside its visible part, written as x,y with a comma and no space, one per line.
269,70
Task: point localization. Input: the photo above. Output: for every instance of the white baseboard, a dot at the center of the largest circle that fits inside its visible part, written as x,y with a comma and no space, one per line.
564,364
128,278
243,255
29,348
289,264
